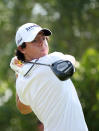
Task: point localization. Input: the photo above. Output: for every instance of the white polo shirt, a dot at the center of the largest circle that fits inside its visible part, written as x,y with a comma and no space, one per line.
54,102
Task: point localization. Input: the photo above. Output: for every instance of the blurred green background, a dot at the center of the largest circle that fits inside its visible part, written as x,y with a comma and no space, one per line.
75,27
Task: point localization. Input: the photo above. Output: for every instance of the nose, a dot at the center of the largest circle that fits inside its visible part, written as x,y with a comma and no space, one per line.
41,41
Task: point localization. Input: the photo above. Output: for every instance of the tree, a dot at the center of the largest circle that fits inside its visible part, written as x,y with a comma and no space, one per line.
87,80
74,24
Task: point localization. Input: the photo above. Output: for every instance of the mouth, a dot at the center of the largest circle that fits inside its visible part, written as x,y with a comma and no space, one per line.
44,52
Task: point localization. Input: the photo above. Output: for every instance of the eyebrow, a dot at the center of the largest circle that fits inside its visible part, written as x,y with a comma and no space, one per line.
42,34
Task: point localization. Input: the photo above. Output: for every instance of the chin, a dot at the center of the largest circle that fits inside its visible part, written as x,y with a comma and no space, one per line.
43,54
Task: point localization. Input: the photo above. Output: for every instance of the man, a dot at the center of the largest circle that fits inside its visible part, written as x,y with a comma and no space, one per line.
54,102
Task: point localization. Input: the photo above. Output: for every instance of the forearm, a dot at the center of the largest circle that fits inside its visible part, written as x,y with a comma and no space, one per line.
24,109
16,65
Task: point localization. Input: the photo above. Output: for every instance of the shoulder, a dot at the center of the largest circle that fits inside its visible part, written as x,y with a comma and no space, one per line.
56,56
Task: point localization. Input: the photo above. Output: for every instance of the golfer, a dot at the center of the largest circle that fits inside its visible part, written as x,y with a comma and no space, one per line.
38,89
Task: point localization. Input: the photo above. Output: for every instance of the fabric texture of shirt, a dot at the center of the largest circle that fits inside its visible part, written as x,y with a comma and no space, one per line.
55,102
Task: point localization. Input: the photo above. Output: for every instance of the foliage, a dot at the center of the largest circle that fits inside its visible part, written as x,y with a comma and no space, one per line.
87,81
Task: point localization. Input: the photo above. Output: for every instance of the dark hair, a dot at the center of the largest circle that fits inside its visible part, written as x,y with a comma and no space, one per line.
19,54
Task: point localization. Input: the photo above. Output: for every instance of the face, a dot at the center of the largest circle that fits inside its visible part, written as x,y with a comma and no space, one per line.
37,48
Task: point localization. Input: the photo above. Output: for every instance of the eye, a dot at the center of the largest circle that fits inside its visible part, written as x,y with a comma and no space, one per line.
43,37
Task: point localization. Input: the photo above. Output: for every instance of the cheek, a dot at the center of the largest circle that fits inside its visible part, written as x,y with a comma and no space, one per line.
30,50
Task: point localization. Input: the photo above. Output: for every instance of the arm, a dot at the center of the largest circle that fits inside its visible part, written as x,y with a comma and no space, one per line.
71,59
24,109
16,65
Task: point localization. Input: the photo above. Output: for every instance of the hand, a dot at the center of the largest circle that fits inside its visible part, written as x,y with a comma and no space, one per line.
16,64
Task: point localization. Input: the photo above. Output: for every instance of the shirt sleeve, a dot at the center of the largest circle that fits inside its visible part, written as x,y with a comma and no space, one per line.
58,55
22,91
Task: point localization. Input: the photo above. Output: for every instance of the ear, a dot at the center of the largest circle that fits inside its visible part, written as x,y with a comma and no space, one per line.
21,49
